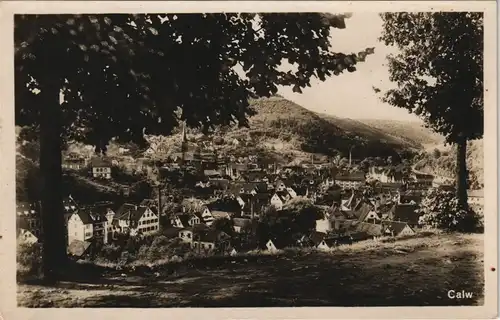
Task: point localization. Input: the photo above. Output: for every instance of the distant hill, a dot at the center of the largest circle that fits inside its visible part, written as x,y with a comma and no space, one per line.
283,131
412,132
285,125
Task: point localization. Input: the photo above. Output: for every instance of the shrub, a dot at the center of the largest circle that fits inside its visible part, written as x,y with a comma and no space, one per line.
439,209
111,252
29,259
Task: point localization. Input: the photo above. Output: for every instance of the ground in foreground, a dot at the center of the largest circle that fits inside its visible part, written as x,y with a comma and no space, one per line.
411,272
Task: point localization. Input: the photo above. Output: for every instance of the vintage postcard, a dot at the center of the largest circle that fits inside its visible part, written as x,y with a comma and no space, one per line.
248,160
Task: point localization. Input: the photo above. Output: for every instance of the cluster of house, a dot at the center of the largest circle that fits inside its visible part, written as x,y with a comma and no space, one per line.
359,217
253,186
87,224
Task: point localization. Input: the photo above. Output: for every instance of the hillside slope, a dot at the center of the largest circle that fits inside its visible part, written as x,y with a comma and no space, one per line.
284,131
412,272
443,163
413,132
284,126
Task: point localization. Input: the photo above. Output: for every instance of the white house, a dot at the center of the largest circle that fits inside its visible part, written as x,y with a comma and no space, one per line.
396,228
384,175
26,237
326,244
184,220
101,168
279,199
324,224
206,216
85,224
351,181
186,235
135,219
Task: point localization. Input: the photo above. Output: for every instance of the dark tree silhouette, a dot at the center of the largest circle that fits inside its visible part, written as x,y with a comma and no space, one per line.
439,73
122,76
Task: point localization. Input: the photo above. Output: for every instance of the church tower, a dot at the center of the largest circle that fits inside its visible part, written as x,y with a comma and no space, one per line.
184,142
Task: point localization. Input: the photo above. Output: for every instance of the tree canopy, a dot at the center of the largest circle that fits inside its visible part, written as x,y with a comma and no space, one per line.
123,75
438,70
439,75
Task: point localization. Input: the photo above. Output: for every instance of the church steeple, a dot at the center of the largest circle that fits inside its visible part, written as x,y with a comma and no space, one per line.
184,143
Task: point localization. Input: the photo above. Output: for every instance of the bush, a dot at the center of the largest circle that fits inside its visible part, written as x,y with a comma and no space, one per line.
29,259
439,209
111,252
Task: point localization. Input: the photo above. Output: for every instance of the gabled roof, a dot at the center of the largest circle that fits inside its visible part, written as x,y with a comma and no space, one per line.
404,212
330,242
316,237
362,210
210,236
369,228
171,232
397,226
78,248
130,212
280,243
221,214
282,195
100,162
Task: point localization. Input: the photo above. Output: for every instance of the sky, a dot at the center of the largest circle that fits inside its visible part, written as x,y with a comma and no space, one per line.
350,95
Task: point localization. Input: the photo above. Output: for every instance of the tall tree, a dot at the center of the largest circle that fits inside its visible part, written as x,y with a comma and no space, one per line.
439,75
123,76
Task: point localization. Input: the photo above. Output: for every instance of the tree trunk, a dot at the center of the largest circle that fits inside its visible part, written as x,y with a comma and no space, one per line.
462,173
53,239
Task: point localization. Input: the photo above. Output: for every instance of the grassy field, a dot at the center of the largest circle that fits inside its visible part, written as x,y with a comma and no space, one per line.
412,272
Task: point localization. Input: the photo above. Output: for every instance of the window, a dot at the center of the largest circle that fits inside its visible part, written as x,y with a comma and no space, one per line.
209,246
189,235
203,245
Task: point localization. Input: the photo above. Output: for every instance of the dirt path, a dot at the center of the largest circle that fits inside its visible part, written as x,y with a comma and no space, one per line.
415,272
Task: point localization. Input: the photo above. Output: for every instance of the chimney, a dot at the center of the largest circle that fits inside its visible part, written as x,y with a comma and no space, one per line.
159,200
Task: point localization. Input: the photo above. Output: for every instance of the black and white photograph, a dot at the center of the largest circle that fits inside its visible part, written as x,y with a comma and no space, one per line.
326,156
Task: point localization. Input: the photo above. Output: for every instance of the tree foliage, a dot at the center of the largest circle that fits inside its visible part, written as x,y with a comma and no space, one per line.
440,209
439,75
123,74
438,70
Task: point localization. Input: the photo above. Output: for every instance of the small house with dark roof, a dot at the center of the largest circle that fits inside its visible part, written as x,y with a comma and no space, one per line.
397,228
101,168
185,220
327,243
26,233
209,240
365,212
279,199
242,225
371,229
317,237
276,244
404,213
